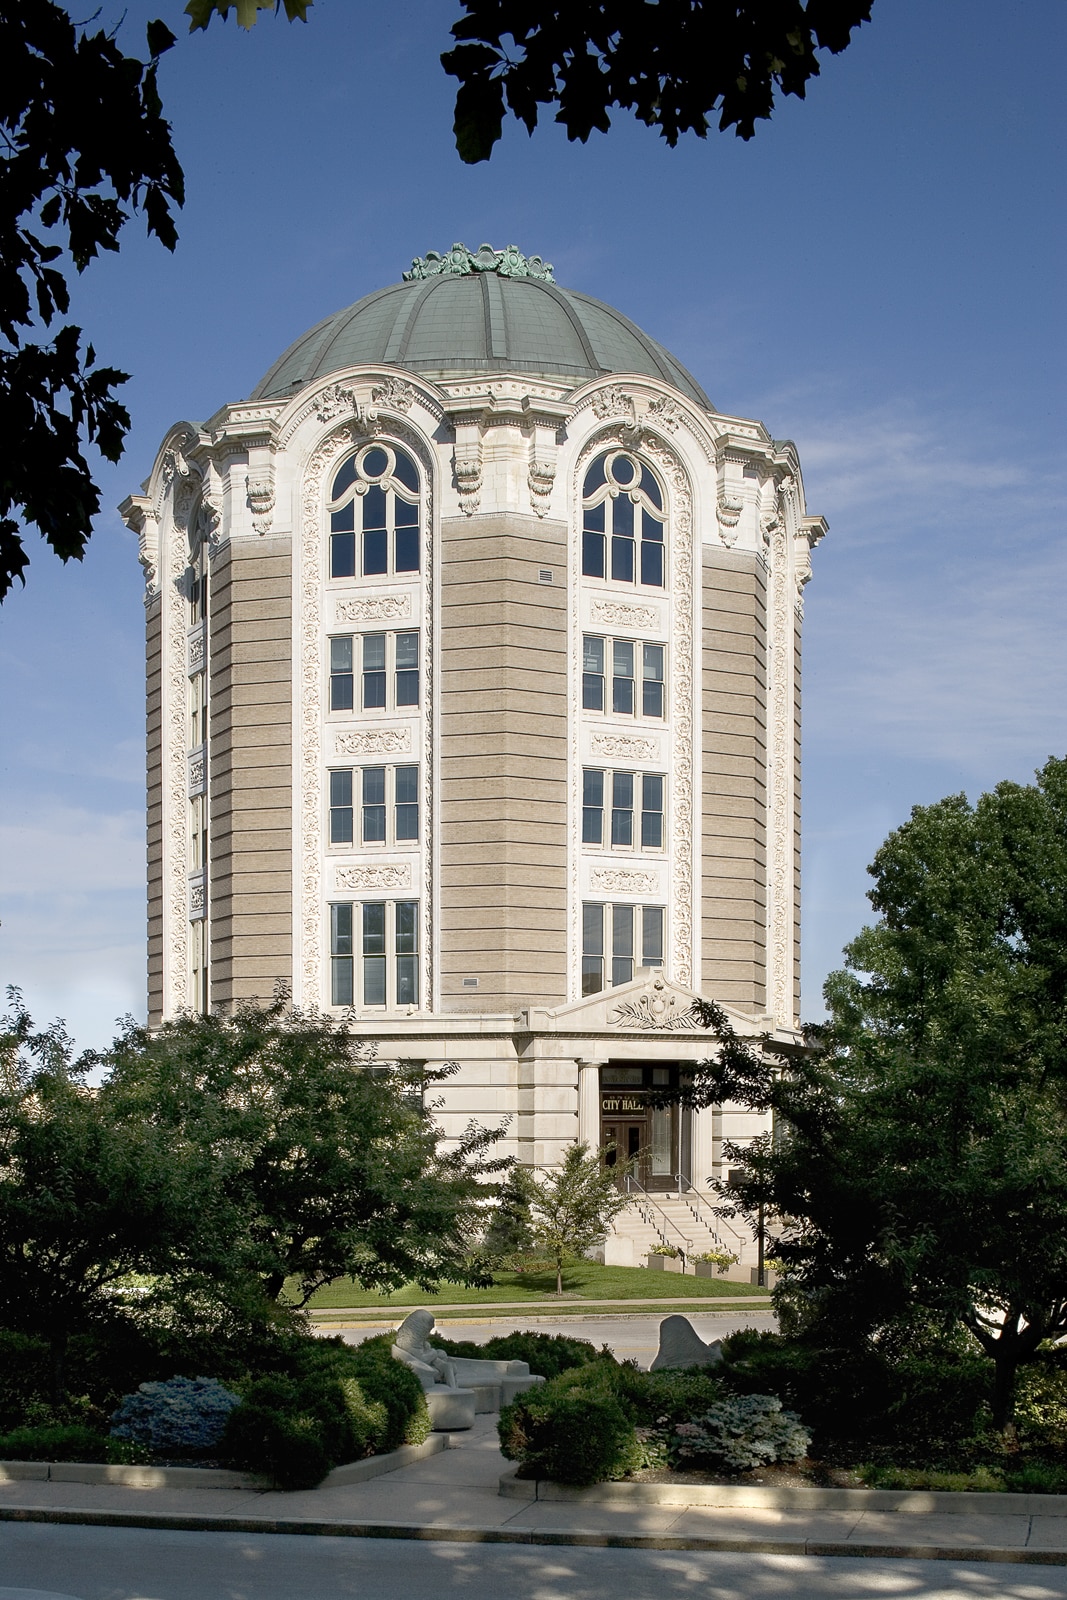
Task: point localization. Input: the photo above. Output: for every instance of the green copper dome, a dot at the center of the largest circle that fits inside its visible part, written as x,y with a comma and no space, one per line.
466,312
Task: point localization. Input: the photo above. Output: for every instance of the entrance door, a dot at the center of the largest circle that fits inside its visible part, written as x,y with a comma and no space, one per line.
625,1141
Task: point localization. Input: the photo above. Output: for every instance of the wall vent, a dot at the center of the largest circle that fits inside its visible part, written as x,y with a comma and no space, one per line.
470,983
545,575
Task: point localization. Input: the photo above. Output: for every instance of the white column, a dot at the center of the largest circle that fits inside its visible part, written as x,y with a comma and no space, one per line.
589,1104
702,1148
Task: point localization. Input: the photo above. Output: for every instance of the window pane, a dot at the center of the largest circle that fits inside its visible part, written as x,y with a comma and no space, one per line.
341,980
652,937
651,528
407,822
405,512
407,688
343,521
622,790
407,786
652,700
594,477
341,930
373,824
652,830
592,930
373,652
593,555
341,655
344,479
622,970
592,974
623,515
374,553
406,470
374,980
406,544
373,690
593,518
340,824
651,488
622,930
592,825
653,662
374,506
341,692
341,788
375,462
407,650
622,827
652,791
622,696
374,929
407,981
373,786
592,692
623,470
407,925
592,654
592,787
622,658
622,560
652,565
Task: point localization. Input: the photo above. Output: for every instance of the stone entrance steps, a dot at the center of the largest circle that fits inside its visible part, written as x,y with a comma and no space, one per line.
653,1219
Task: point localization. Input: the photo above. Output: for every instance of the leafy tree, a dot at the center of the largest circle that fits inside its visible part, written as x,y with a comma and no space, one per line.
510,1230
334,1166
83,145
575,1206
84,1202
921,1156
673,63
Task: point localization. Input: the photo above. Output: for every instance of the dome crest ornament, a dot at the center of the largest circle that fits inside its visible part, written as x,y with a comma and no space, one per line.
461,262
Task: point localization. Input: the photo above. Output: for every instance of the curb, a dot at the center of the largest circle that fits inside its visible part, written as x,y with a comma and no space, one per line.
389,1316
176,1522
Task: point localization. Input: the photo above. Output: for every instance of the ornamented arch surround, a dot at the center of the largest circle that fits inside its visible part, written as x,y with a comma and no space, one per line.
680,668
309,955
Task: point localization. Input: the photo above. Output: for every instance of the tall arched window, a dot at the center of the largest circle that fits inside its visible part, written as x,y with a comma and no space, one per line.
622,521
374,514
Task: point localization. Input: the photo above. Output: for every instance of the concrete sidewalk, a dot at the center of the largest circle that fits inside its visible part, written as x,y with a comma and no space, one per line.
454,1496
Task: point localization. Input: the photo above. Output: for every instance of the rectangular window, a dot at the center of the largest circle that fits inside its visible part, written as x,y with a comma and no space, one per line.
375,536
374,679
622,810
593,542
406,790
627,930
406,537
198,832
407,669
197,710
592,806
374,954
592,948
652,680
652,811
622,677
592,673
373,805
341,674
341,807
631,663
622,541
341,959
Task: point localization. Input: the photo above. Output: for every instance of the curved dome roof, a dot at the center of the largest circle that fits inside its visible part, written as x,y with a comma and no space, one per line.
453,323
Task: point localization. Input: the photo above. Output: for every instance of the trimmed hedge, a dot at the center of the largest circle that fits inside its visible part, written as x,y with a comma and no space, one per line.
63,1442
571,1435
548,1354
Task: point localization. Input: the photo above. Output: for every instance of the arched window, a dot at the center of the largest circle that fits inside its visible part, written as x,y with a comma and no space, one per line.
374,514
622,521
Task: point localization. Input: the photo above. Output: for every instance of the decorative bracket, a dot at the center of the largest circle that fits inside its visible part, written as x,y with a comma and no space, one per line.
260,492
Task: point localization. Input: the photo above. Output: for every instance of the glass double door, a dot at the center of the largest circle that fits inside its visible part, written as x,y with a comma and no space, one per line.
648,1140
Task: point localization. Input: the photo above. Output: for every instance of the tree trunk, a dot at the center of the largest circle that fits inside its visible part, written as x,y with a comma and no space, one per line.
1006,1365
559,1276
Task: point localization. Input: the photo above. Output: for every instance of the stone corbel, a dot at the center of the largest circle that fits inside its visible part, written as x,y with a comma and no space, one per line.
259,487
467,462
137,513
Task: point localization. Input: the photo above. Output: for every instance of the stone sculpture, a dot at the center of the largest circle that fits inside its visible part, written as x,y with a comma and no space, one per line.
455,1384
681,1346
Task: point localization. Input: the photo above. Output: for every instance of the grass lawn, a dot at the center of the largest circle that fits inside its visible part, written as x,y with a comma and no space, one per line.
586,1280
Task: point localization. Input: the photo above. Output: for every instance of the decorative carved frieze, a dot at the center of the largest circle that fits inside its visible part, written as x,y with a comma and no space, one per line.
620,880
374,742
197,651
375,608
614,402
197,777
260,491
630,618
625,747
666,412
197,900
394,393
374,877
336,401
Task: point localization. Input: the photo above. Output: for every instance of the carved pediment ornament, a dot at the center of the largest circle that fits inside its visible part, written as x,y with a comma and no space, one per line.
614,402
374,742
659,1010
394,393
375,877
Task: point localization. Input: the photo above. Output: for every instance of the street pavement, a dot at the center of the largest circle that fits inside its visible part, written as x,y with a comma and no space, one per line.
45,1563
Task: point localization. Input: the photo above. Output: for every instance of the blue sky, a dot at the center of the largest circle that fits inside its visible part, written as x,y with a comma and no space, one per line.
877,275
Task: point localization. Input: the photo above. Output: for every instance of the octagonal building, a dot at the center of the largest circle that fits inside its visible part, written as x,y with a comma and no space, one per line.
473,687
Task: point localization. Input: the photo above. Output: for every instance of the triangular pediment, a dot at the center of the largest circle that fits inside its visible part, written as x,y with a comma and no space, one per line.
647,1005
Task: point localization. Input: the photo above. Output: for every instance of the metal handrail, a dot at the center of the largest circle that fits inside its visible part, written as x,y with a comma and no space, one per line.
695,1200
648,1202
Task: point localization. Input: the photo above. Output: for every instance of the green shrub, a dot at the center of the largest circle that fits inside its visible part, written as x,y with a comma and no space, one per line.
548,1354
390,1383
69,1442
737,1434
569,1435
1041,1402
675,1396
25,1376
182,1415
